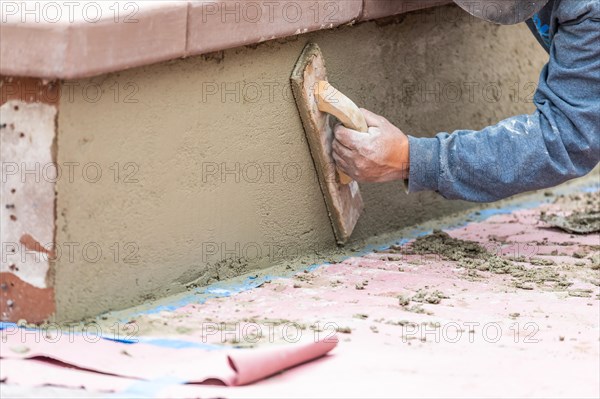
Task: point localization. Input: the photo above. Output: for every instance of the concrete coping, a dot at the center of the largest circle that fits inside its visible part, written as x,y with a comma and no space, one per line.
75,39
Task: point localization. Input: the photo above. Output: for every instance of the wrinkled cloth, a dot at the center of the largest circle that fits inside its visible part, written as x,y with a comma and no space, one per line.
558,142
76,360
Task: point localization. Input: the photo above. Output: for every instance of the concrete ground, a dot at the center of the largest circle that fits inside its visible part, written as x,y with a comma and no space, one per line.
516,316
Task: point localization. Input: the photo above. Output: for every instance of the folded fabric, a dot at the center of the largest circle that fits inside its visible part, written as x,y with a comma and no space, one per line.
78,356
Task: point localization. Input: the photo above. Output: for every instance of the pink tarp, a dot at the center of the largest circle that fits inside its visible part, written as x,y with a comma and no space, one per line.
486,337
76,361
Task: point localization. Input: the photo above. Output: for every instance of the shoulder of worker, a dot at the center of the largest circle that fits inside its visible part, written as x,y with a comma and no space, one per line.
574,11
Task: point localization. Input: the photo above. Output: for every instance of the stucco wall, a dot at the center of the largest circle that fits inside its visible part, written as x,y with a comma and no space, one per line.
169,217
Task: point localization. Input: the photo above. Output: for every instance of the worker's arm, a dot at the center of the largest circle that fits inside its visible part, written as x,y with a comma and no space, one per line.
558,142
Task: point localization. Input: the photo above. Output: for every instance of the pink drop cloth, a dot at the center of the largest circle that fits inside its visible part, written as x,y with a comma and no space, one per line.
74,361
485,336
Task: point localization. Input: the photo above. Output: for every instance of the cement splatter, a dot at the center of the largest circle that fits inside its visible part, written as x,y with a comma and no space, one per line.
576,223
474,257
585,219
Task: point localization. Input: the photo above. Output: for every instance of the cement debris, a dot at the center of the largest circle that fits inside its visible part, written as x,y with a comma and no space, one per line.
579,214
433,298
474,257
575,223
440,243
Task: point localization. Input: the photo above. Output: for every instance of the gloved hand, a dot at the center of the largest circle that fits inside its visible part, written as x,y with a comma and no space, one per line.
381,155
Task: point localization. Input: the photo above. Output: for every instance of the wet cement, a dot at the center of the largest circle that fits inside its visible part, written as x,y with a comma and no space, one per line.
205,159
471,255
475,258
585,219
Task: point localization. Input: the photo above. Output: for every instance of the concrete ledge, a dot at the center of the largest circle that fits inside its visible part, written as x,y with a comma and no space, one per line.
373,9
218,25
67,40
89,39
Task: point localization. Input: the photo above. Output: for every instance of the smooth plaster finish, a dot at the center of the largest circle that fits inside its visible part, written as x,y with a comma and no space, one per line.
182,212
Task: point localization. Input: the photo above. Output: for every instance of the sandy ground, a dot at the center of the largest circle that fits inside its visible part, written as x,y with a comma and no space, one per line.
500,304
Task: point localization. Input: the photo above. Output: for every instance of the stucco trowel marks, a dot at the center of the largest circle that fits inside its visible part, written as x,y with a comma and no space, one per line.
27,200
206,112
453,222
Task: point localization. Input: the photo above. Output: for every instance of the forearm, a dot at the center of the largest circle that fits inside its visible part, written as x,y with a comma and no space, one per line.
519,154
558,142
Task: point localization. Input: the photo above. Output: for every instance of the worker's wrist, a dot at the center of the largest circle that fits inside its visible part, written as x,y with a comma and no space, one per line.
424,159
405,158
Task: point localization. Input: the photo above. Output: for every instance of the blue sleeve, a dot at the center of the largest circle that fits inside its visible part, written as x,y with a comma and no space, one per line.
558,142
